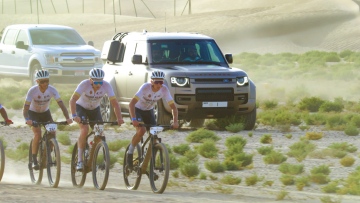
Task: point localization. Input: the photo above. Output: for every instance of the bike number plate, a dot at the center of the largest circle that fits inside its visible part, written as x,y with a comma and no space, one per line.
51,127
214,104
156,130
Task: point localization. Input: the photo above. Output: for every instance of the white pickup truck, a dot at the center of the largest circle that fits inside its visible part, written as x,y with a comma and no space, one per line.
26,48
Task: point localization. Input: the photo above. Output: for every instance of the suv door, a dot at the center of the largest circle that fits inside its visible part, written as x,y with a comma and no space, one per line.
23,54
8,50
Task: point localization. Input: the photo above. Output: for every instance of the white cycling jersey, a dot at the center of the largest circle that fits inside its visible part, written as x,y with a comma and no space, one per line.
89,99
38,101
147,98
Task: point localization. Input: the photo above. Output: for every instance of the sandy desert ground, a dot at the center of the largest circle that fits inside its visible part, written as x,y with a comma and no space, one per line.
260,26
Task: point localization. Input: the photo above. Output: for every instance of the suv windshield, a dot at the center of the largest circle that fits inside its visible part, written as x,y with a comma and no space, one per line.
56,37
185,52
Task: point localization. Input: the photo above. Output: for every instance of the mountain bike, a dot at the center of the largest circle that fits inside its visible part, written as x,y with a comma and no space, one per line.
96,158
2,155
48,155
151,150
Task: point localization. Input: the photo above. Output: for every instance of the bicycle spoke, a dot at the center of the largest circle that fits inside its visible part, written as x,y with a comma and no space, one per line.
77,177
101,165
132,178
159,169
54,163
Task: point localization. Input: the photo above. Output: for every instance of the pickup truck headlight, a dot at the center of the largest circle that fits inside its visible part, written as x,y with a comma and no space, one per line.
242,81
51,58
179,82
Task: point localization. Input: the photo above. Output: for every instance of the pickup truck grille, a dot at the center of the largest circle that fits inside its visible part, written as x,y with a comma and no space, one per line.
77,59
214,94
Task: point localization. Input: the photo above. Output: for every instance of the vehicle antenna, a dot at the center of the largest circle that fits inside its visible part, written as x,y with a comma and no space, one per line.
165,21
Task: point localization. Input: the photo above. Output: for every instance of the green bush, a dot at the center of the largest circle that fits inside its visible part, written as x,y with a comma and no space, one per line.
201,135
21,152
347,161
269,104
314,135
238,161
266,139
344,146
287,179
116,145
252,180
214,166
331,187
181,148
230,180
274,157
174,162
322,169
311,104
329,106
291,169
208,149
235,140
190,169
301,149
264,150
63,138
351,130
235,127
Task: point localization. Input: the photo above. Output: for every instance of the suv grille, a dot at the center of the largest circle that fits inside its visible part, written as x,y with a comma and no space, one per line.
213,80
219,94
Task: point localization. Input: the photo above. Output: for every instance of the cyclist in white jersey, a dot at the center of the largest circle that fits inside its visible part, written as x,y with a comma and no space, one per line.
85,104
5,116
36,108
142,108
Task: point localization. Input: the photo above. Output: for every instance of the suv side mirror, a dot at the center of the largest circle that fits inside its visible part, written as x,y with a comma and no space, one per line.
91,43
136,59
20,45
229,58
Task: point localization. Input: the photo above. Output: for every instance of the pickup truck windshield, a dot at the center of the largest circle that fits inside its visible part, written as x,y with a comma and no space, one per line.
56,37
186,52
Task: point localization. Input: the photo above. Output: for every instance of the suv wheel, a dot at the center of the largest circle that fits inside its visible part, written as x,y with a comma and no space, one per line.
106,110
249,120
161,115
35,67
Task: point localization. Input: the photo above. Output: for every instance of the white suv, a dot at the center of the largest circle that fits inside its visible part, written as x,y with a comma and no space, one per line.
25,48
202,87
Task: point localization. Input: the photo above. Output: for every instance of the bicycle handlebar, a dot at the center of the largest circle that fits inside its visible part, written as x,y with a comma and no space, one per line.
98,122
149,125
4,123
48,122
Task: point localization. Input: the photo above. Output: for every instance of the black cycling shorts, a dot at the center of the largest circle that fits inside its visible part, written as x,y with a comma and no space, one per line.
40,117
91,115
148,117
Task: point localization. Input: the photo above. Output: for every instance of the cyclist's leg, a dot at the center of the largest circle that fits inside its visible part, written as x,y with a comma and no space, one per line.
84,129
37,135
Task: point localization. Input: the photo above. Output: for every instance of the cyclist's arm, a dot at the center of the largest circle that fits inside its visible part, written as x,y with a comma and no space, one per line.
3,113
174,113
26,114
132,109
72,103
117,109
63,108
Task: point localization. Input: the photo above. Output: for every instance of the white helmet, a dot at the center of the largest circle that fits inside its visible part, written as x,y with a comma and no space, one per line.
156,74
97,73
42,74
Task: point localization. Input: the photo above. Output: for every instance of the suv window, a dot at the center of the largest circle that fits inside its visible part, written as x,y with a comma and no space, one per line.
10,36
141,50
55,37
22,37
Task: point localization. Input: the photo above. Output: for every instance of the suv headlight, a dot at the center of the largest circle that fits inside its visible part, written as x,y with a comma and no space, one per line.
51,58
242,81
179,82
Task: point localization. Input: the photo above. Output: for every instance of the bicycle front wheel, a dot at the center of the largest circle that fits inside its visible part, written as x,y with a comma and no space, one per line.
132,177
77,177
159,169
2,160
53,163
101,165
35,175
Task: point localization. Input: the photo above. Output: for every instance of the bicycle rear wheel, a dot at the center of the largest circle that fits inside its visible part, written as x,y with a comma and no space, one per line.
53,163
77,177
159,169
101,165
35,175
2,160
132,178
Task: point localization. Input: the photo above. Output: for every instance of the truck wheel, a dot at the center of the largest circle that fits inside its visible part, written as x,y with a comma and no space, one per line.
35,67
249,120
107,111
161,115
197,123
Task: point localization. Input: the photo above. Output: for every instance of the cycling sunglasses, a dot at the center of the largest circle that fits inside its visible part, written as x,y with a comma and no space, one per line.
98,82
43,81
158,82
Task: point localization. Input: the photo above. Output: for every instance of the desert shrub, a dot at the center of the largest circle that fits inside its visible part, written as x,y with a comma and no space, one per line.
331,187
189,156
210,124
347,161
351,184
291,169
202,176
190,169
329,106
235,127
304,127
116,145
351,130
268,183
323,153
311,104
212,177
66,159
174,162
344,146
264,150
215,166
202,134
287,179
208,149
266,139
113,160
230,180
269,104
345,53
323,169
235,140
250,134
181,148
274,157
336,122
314,135
301,182
68,127
332,57
238,161
288,136
21,152
63,138
175,174
315,119
221,123
17,104
319,178
299,150
253,179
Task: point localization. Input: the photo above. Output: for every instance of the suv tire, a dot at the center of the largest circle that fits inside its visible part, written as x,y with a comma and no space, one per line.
161,115
35,67
249,120
106,110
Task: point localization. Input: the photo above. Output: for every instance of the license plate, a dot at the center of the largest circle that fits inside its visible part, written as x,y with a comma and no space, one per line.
79,73
214,104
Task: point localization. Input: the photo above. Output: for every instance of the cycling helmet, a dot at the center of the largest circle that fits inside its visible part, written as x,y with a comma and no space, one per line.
97,73
42,74
157,75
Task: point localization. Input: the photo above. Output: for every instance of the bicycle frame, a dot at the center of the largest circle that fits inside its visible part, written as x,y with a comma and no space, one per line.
147,153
